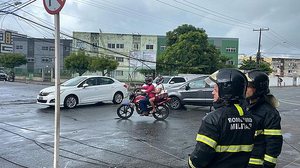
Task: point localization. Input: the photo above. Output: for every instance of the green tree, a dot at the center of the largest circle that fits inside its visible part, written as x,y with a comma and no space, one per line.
147,72
12,60
251,65
103,64
77,62
173,36
188,51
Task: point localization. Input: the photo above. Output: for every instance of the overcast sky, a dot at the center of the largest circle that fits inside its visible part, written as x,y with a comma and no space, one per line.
219,18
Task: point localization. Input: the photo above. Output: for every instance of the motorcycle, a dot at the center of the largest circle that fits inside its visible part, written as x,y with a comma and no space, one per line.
126,109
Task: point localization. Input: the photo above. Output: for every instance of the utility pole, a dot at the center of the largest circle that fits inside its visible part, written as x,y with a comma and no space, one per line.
258,56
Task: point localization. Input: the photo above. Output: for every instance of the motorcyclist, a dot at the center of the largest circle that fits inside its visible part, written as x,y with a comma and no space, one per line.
226,135
159,88
148,88
262,105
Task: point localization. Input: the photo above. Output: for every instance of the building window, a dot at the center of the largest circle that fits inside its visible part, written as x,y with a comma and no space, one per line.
120,45
136,46
46,59
19,47
230,49
119,73
44,48
149,47
79,44
162,47
51,48
120,59
110,45
66,48
30,59
229,62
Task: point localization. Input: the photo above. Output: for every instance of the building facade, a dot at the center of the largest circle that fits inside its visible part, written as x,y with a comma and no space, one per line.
228,47
39,52
286,66
281,66
132,51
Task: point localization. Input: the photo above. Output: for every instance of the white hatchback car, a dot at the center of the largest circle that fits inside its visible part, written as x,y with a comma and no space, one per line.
85,90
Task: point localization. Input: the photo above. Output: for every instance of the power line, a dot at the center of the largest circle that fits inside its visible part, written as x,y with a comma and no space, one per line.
214,13
201,16
129,57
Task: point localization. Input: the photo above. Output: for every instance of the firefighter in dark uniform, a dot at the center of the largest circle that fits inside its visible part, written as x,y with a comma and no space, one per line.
226,135
262,105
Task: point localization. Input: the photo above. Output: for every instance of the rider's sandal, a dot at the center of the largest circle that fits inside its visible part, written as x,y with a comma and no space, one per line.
151,112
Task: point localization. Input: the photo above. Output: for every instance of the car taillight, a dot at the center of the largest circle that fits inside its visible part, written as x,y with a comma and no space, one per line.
125,86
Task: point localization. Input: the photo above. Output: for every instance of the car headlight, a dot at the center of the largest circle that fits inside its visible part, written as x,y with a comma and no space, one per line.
44,93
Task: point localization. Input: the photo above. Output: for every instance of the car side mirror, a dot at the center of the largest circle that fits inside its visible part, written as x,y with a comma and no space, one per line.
172,82
187,87
85,85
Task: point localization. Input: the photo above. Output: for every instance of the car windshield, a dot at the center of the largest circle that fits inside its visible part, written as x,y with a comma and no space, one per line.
166,80
74,81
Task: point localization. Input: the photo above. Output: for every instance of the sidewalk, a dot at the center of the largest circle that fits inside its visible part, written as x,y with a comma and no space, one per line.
34,82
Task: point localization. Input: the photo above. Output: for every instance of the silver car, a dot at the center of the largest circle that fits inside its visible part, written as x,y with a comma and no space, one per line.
193,92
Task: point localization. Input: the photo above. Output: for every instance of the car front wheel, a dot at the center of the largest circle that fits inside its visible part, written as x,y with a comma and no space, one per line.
118,98
70,102
175,103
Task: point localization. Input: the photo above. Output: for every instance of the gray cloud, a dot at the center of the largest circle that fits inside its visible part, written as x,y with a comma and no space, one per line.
154,17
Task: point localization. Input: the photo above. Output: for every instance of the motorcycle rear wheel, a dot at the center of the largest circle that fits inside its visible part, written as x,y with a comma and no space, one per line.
162,112
125,111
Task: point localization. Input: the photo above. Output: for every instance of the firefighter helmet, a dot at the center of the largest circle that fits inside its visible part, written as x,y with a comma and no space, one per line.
232,84
260,81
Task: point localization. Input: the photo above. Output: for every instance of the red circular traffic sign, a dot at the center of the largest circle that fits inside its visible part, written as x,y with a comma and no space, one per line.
53,6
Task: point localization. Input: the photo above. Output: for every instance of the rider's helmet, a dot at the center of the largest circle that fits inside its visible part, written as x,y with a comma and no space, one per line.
232,84
260,81
148,80
159,80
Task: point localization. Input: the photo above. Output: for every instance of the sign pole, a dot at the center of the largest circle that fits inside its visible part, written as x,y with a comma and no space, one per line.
57,90
53,7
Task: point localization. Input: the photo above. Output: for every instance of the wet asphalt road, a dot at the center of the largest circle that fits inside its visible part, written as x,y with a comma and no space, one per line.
93,136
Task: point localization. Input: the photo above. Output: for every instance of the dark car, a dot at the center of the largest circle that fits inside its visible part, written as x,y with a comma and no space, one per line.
194,92
3,75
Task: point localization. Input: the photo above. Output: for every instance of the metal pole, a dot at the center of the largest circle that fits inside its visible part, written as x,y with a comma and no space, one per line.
258,51
258,55
57,91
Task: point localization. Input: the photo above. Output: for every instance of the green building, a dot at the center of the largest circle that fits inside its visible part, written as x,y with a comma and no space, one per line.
227,46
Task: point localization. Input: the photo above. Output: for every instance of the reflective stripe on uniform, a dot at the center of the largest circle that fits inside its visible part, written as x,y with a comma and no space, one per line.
270,159
234,148
239,108
255,161
272,132
258,132
191,163
206,140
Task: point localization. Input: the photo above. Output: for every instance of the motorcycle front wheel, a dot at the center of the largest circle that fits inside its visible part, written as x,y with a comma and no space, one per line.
125,111
162,112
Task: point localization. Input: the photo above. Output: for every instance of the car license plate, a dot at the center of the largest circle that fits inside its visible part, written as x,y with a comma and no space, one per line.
40,98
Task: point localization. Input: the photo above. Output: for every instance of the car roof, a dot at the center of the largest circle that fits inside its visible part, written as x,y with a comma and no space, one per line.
202,76
90,76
